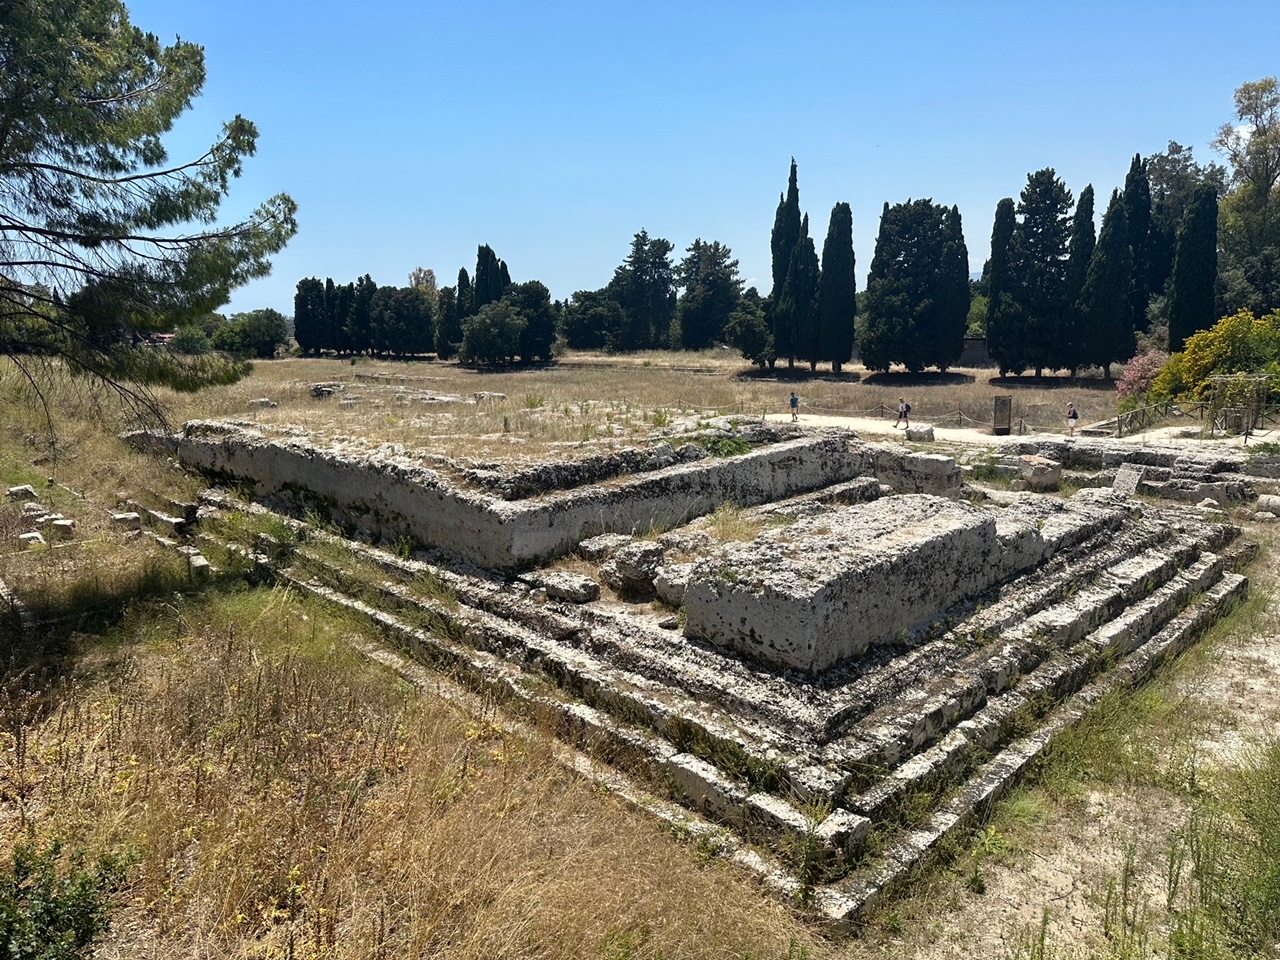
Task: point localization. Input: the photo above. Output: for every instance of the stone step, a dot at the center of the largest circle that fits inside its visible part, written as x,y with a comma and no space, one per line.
845,901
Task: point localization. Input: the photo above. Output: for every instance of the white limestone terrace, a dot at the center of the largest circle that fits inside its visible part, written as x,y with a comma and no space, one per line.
390,493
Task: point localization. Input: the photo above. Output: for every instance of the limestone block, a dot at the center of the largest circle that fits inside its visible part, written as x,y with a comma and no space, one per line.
129,520
671,581
1128,478
63,529
602,547
199,567
174,526
1040,473
633,567
1269,503
31,540
33,510
263,402
669,623
322,390
826,588
924,432
1264,516
573,587
483,396
24,492
1209,503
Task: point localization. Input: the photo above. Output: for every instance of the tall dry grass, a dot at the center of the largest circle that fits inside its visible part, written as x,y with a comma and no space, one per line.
280,797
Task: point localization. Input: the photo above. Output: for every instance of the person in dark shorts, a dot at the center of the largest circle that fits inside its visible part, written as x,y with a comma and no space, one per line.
904,413
1072,417
795,407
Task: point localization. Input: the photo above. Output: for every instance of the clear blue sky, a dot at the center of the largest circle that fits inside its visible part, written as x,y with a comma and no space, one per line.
409,133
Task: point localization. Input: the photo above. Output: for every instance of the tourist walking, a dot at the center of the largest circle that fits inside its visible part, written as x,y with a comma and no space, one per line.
904,413
1072,416
795,407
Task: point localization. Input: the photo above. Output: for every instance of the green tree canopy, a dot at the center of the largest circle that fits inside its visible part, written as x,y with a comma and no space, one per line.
592,320
492,335
748,329
645,287
711,291
102,237
917,289
254,334
1038,266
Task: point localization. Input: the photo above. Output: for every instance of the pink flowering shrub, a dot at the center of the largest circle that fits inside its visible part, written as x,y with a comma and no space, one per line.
1138,375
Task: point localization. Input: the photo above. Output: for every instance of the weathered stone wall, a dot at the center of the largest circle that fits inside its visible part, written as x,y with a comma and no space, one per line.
392,495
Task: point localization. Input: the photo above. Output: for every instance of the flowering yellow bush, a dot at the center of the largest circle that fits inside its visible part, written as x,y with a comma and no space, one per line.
1240,343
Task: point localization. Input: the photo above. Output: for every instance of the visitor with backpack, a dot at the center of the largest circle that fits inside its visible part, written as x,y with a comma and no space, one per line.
795,407
904,413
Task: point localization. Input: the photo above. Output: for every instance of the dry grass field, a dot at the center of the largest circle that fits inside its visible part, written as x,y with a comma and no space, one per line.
272,793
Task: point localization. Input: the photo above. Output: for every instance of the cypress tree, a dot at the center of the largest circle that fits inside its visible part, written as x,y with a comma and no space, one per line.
783,242
308,315
796,310
1137,209
466,297
489,279
1079,253
953,296
1195,268
359,324
448,326
343,299
1106,315
329,339
786,231
837,294
1006,343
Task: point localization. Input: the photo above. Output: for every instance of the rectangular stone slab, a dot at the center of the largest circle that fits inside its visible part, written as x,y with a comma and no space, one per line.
824,589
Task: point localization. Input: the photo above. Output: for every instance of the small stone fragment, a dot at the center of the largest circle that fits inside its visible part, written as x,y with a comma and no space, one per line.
1209,503
263,402
669,623
199,567
63,529
32,541
24,492
483,395
602,547
1040,473
33,510
1264,516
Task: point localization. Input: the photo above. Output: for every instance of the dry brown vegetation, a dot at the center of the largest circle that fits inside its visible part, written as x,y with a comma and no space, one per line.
278,795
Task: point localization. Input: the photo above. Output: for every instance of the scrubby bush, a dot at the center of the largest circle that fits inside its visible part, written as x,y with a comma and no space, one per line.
1139,373
1240,343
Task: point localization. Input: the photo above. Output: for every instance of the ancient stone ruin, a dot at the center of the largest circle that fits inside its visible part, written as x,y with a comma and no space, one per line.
820,655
